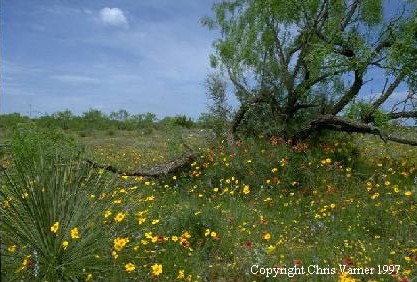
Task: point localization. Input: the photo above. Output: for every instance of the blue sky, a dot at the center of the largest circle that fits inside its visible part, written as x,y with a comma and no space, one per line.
142,56
135,55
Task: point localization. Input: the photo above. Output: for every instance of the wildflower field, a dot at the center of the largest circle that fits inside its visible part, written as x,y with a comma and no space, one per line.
236,213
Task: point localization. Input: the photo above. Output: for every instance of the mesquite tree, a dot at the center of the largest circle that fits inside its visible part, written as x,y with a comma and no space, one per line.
308,60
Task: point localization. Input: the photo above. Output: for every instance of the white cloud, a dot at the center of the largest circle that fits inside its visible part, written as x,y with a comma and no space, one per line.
113,16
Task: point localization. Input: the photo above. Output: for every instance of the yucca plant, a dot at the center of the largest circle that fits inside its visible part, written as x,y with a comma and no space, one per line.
52,219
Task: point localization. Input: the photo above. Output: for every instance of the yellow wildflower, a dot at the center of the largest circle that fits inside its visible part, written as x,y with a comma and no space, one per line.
148,235
130,267
266,235
186,235
55,227
141,220
89,277
246,189
107,213
74,233
150,198
270,249
25,263
119,217
156,269
12,248
374,196
344,277
180,274
120,243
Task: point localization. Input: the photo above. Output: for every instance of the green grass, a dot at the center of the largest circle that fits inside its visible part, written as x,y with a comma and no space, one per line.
260,203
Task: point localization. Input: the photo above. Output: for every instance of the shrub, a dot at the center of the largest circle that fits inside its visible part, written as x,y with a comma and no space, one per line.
183,121
52,220
28,141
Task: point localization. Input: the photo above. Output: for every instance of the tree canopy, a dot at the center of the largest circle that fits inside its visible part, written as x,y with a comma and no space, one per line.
306,61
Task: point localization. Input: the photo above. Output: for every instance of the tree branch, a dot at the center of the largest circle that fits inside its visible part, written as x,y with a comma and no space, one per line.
240,114
337,123
307,84
236,83
375,105
402,140
411,114
346,20
350,94
299,106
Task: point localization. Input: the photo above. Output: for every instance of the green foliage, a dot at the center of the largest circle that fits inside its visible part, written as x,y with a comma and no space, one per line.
404,50
30,144
63,119
219,111
184,121
259,121
11,121
292,50
372,11
213,122
144,120
319,203
120,115
54,189
91,121
358,110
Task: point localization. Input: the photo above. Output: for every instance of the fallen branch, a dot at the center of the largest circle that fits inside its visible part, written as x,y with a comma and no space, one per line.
169,167
402,140
337,123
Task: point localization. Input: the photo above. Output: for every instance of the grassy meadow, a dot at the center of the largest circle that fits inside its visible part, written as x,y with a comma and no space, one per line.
229,216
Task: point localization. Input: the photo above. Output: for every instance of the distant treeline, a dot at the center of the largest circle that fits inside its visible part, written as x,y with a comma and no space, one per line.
96,119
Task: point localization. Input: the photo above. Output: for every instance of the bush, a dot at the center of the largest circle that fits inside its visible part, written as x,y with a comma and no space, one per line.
28,141
11,121
183,121
50,220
